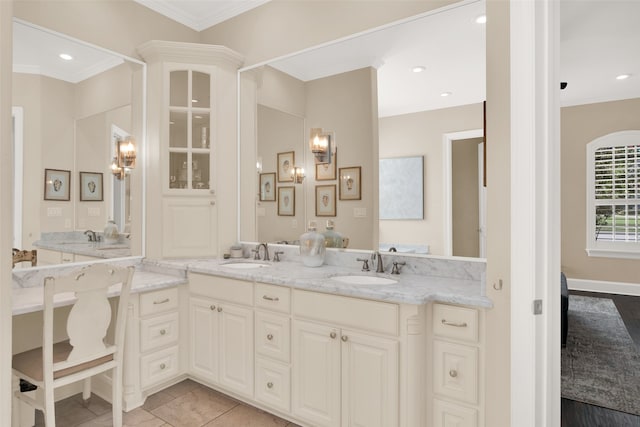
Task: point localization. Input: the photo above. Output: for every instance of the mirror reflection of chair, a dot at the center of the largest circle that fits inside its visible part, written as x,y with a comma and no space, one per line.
25,256
86,352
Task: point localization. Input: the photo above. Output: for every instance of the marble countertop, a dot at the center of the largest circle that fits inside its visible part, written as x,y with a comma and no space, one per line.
409,289
93,249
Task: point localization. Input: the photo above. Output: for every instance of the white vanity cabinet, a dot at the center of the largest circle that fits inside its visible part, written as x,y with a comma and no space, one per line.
457,357
346,367
191,135
221,332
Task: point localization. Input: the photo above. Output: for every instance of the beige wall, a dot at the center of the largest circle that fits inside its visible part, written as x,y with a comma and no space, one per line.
579,126
465,205
421,134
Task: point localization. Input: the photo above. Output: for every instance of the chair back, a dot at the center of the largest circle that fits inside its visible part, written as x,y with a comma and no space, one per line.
90,316
25,256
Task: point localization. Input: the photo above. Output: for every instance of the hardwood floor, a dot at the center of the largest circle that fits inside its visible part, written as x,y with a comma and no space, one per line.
578,414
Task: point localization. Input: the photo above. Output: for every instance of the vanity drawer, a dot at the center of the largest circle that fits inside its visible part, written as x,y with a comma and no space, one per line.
231,290
273,336
273,384
455,322
447,414
455,371
158,301
374,316
159,366
158,331
276,298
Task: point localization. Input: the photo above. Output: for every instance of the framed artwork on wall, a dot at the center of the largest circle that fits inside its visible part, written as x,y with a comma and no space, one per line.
91,187
326,171
326,200
57,184
350,183
286,201
286,162
268,187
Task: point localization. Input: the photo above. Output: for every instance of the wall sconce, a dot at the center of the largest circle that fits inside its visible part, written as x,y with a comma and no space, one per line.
259,164
297,174
125,158
321,145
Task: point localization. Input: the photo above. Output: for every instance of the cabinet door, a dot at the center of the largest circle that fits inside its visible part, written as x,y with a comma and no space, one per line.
236,348
189,227
203,338
316,373
447,414
369,380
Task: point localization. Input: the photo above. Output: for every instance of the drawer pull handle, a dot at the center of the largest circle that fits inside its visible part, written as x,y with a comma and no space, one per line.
269,385
163,332
453,373
219,309
162,366
344,338
333,335
162,301
456,324
270,337
212,307
268,298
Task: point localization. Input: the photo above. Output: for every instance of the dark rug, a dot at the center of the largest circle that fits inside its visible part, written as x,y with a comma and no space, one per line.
601,363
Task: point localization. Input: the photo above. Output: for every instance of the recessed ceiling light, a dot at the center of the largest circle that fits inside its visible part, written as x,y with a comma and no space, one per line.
482,19
623,76
445,94
418,69
66,56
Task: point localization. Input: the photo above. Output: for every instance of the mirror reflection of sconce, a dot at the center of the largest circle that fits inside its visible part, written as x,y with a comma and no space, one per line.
259,164
322,145
125,158
297,174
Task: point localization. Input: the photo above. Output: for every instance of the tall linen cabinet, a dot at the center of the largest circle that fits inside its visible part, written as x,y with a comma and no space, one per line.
191,148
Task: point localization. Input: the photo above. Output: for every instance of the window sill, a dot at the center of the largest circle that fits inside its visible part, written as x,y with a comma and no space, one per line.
613,253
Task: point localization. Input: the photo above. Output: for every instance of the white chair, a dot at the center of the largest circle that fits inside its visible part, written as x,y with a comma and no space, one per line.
86,353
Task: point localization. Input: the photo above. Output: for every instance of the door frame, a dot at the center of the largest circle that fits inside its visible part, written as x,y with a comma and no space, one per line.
17,115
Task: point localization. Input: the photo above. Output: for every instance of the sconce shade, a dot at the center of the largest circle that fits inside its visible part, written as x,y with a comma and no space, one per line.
320,144
297,174
125,158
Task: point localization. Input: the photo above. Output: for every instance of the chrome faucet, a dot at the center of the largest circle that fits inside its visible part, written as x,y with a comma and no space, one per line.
266,251
92,235
377,260
396,267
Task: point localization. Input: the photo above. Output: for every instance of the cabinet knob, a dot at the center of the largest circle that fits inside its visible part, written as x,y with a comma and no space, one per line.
270,337
332,335
269,385
163,332
344,338
162,366
212,307
453,373
212,203
219,309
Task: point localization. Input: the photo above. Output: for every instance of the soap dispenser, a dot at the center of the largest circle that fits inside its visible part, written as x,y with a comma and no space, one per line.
110,233
312,247
332,239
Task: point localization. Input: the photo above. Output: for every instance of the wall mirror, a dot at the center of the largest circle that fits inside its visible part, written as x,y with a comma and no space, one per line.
391,92
68,115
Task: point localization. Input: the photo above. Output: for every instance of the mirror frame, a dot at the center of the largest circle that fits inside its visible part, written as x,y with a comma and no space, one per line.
142,156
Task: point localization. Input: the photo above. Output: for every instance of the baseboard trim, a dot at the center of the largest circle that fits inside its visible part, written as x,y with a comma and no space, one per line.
619,288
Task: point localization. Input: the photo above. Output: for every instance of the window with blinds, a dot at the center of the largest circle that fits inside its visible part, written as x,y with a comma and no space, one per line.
613,163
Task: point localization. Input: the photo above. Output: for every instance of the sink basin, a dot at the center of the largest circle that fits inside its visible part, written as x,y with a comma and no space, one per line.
244,265
364,280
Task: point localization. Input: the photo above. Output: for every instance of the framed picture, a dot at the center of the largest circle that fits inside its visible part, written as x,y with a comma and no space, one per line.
57,184
286,162
350,183
268,187
326,200
326,171
91,187
286,201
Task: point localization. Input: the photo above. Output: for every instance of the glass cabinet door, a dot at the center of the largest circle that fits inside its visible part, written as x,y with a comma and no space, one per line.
190,130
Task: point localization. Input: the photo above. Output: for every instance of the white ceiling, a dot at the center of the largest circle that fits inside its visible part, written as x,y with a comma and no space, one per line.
599,40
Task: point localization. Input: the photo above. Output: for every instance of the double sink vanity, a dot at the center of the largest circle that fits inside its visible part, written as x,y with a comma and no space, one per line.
327,346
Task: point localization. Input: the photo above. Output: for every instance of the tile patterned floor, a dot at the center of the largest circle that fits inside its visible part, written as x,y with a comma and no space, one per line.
186,404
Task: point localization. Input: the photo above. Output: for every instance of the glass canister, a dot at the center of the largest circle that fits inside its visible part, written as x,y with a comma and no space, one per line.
332,238
312,247
111,233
